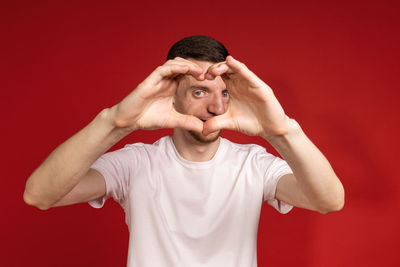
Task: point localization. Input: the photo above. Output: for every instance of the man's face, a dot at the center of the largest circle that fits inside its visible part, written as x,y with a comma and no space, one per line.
202,99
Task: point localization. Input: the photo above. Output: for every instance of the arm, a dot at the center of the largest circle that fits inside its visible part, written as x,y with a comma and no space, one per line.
69,164
314,184
254,110
65,176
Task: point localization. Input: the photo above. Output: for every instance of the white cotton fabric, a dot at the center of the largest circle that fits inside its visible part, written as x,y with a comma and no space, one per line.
191,214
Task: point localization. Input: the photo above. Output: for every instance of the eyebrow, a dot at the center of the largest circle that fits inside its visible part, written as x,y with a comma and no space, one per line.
199,87
202,88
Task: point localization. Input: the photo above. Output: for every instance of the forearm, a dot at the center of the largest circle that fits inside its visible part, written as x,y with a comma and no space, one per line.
69,162
313,173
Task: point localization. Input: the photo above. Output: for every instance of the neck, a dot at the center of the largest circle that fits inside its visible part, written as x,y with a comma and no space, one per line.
191,149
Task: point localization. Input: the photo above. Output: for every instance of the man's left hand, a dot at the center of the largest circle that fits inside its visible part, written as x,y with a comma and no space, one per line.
253,108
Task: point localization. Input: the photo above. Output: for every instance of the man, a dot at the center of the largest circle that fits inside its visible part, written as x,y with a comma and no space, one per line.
194,198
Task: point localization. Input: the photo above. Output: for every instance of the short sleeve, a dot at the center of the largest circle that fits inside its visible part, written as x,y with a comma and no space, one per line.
274,169
116,168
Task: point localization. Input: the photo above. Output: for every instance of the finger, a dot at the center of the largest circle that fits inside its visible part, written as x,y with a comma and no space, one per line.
243,72
235,65
229,66
218,123
171,70
194,69
174,70
217,70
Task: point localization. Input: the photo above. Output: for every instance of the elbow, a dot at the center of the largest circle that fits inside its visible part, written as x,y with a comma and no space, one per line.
32,201
32,196
334,205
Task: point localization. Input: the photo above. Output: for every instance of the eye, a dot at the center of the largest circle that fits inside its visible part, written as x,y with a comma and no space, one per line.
225,94
199,93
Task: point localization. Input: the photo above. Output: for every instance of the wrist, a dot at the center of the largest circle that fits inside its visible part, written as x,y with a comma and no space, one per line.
112,117
291,133
110,124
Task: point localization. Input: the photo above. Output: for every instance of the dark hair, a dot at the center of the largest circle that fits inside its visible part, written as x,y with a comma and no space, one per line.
199,47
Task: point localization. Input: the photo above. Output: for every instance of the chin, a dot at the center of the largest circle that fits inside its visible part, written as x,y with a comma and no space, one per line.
205,139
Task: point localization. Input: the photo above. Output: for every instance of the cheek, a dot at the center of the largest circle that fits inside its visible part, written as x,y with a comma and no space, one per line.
196,107
192,107
226,103
180,105
183,105
180,97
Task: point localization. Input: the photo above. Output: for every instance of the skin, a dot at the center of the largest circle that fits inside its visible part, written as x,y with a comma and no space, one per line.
203,99
198,99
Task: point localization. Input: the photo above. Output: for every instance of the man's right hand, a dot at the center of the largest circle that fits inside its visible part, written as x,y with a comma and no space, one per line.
65,177
150,105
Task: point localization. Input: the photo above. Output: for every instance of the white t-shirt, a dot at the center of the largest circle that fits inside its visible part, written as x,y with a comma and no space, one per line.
191,214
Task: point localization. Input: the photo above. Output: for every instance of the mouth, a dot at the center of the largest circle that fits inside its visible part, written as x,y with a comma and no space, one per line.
204,120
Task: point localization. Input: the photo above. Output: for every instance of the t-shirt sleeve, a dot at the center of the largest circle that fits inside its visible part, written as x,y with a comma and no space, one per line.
274,169
116,168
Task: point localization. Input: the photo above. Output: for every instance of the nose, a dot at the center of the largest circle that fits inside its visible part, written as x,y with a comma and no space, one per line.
216,105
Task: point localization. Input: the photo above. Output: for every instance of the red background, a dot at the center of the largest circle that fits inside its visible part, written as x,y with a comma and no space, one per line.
334,66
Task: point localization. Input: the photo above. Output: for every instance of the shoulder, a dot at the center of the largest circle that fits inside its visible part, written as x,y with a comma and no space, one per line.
141,152
160,144
257,154
243,148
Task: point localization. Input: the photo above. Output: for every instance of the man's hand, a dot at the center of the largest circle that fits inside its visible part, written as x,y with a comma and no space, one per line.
150,105
65,176
253,108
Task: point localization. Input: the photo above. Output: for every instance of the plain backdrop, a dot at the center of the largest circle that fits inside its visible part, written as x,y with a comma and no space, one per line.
334,66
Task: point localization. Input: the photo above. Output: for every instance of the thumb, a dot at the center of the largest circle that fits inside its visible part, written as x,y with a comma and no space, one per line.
218,123
187,122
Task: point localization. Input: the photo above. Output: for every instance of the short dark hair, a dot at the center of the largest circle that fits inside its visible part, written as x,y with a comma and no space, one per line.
199,47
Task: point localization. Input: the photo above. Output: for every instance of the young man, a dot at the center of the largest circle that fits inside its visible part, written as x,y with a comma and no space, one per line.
194,198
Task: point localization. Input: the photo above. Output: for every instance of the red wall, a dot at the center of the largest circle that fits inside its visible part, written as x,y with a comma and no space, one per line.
334,66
